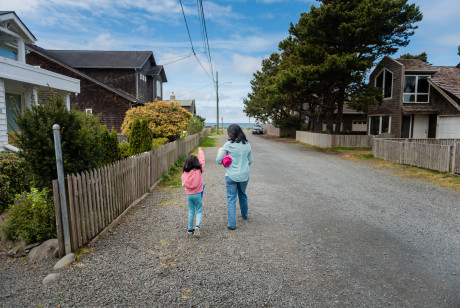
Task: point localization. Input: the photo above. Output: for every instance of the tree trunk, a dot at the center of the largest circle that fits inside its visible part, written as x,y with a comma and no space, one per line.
340,104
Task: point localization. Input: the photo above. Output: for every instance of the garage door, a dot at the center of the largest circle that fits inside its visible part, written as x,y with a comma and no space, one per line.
448,127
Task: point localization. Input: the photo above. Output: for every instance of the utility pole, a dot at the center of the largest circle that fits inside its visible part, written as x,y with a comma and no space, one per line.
217,97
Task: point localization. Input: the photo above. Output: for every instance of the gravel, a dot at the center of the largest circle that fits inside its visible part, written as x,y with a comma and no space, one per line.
322,232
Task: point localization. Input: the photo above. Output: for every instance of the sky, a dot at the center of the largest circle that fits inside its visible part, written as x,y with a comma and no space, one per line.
240,34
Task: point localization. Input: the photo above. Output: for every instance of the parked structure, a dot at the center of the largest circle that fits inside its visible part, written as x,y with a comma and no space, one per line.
112,82
20,83
188,105
420,100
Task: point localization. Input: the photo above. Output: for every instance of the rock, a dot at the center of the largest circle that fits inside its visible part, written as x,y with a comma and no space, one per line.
15,251
44,251
29,247
51,278
68,259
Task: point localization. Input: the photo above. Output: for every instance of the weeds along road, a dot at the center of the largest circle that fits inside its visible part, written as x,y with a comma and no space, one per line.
359,236
322,232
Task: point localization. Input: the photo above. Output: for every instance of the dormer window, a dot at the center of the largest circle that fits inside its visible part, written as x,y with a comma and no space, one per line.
416,89
384,81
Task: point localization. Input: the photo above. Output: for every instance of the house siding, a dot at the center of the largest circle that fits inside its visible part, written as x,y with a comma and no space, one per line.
110,106
3,124
392,106
121,79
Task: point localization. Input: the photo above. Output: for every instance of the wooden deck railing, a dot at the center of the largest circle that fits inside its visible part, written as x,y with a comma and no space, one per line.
96,198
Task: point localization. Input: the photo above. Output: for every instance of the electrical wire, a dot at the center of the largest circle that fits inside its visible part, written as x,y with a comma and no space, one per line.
191,43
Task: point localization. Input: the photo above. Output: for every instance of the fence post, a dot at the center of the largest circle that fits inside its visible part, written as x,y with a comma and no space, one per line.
60,173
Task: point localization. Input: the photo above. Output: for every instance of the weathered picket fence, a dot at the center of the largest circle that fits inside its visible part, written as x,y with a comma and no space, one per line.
435,154
97,198
329,141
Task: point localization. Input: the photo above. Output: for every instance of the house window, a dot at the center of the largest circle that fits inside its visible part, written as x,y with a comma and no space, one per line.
384,81
379,125
416,89
7,53
89,111
158,86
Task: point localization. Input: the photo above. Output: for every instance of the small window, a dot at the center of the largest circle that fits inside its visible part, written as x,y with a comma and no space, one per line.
416,89
384,81
89,111
379,125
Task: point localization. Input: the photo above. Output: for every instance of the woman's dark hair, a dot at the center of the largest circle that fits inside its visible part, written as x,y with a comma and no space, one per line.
191,163
235,133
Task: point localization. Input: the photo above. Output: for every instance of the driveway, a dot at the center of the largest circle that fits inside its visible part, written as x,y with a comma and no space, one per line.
322,232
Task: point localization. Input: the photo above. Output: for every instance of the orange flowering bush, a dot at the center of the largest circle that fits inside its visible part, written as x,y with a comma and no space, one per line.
164,119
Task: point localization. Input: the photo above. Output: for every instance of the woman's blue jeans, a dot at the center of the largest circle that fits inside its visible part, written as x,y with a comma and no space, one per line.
194,205
235,189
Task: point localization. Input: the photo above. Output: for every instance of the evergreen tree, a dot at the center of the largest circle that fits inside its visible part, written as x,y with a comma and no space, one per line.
140,139
423,56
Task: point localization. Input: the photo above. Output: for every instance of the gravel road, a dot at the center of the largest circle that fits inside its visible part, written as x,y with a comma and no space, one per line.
322,232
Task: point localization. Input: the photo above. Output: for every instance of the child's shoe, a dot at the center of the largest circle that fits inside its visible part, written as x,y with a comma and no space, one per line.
190,232
197,232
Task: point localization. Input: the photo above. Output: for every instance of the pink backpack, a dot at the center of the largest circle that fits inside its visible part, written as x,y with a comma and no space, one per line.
227,160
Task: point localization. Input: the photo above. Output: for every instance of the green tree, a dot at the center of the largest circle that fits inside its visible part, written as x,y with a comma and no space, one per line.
79,141
195,125
423,56
140,138
110,149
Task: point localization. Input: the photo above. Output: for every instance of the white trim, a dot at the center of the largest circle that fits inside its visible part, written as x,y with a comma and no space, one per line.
12,16
17,71
416,89
382,71
89,111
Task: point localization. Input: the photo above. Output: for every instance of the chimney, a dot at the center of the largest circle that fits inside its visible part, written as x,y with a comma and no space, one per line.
173,97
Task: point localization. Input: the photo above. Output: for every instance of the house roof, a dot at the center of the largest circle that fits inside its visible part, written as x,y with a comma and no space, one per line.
43,53
102,59
18,28
188,104
448,79
417,65
158,70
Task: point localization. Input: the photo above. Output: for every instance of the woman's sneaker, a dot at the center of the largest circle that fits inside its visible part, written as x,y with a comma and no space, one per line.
197,232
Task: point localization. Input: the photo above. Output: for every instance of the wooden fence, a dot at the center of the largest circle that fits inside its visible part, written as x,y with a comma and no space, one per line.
270,129
329,141
435,154
96,198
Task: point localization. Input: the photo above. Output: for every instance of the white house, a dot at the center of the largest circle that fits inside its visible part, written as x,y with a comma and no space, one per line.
20,82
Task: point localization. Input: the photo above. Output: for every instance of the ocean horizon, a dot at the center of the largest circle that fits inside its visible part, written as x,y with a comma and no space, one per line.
228,124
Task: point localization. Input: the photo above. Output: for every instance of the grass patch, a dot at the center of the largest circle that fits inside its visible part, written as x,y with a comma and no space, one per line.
210,143
221,132
347,149
171,178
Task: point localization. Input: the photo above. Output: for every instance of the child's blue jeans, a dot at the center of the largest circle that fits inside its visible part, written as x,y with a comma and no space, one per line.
195,205
235,189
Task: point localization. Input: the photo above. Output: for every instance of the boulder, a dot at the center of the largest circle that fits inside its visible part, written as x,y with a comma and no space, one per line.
44,251
51,278
66,260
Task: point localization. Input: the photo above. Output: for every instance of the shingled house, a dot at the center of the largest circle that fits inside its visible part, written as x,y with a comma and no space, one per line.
20,82
187,104
420,100
111,82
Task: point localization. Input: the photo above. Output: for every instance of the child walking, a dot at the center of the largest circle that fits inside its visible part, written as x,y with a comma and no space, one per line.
192,181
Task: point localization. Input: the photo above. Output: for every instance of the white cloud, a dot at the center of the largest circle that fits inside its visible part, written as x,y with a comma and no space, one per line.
246,64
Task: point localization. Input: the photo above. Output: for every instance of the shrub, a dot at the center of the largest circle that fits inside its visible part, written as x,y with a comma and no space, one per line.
30,216
124,150
164,119
79,139
195,125
158,142
110,150
140,139
15,178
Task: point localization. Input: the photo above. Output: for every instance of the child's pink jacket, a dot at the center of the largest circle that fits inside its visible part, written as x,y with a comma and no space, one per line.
193,181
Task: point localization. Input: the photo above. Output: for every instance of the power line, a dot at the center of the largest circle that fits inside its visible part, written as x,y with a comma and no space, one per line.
205,36
191,43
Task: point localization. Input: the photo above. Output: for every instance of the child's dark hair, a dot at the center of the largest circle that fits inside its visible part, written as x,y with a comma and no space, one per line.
236,134
191,163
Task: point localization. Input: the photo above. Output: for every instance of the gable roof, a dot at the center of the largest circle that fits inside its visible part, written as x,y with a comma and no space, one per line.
158,70
43,52
16,27
417,65
102,59
448,79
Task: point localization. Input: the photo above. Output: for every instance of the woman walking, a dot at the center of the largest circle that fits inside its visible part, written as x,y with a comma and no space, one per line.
237,174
